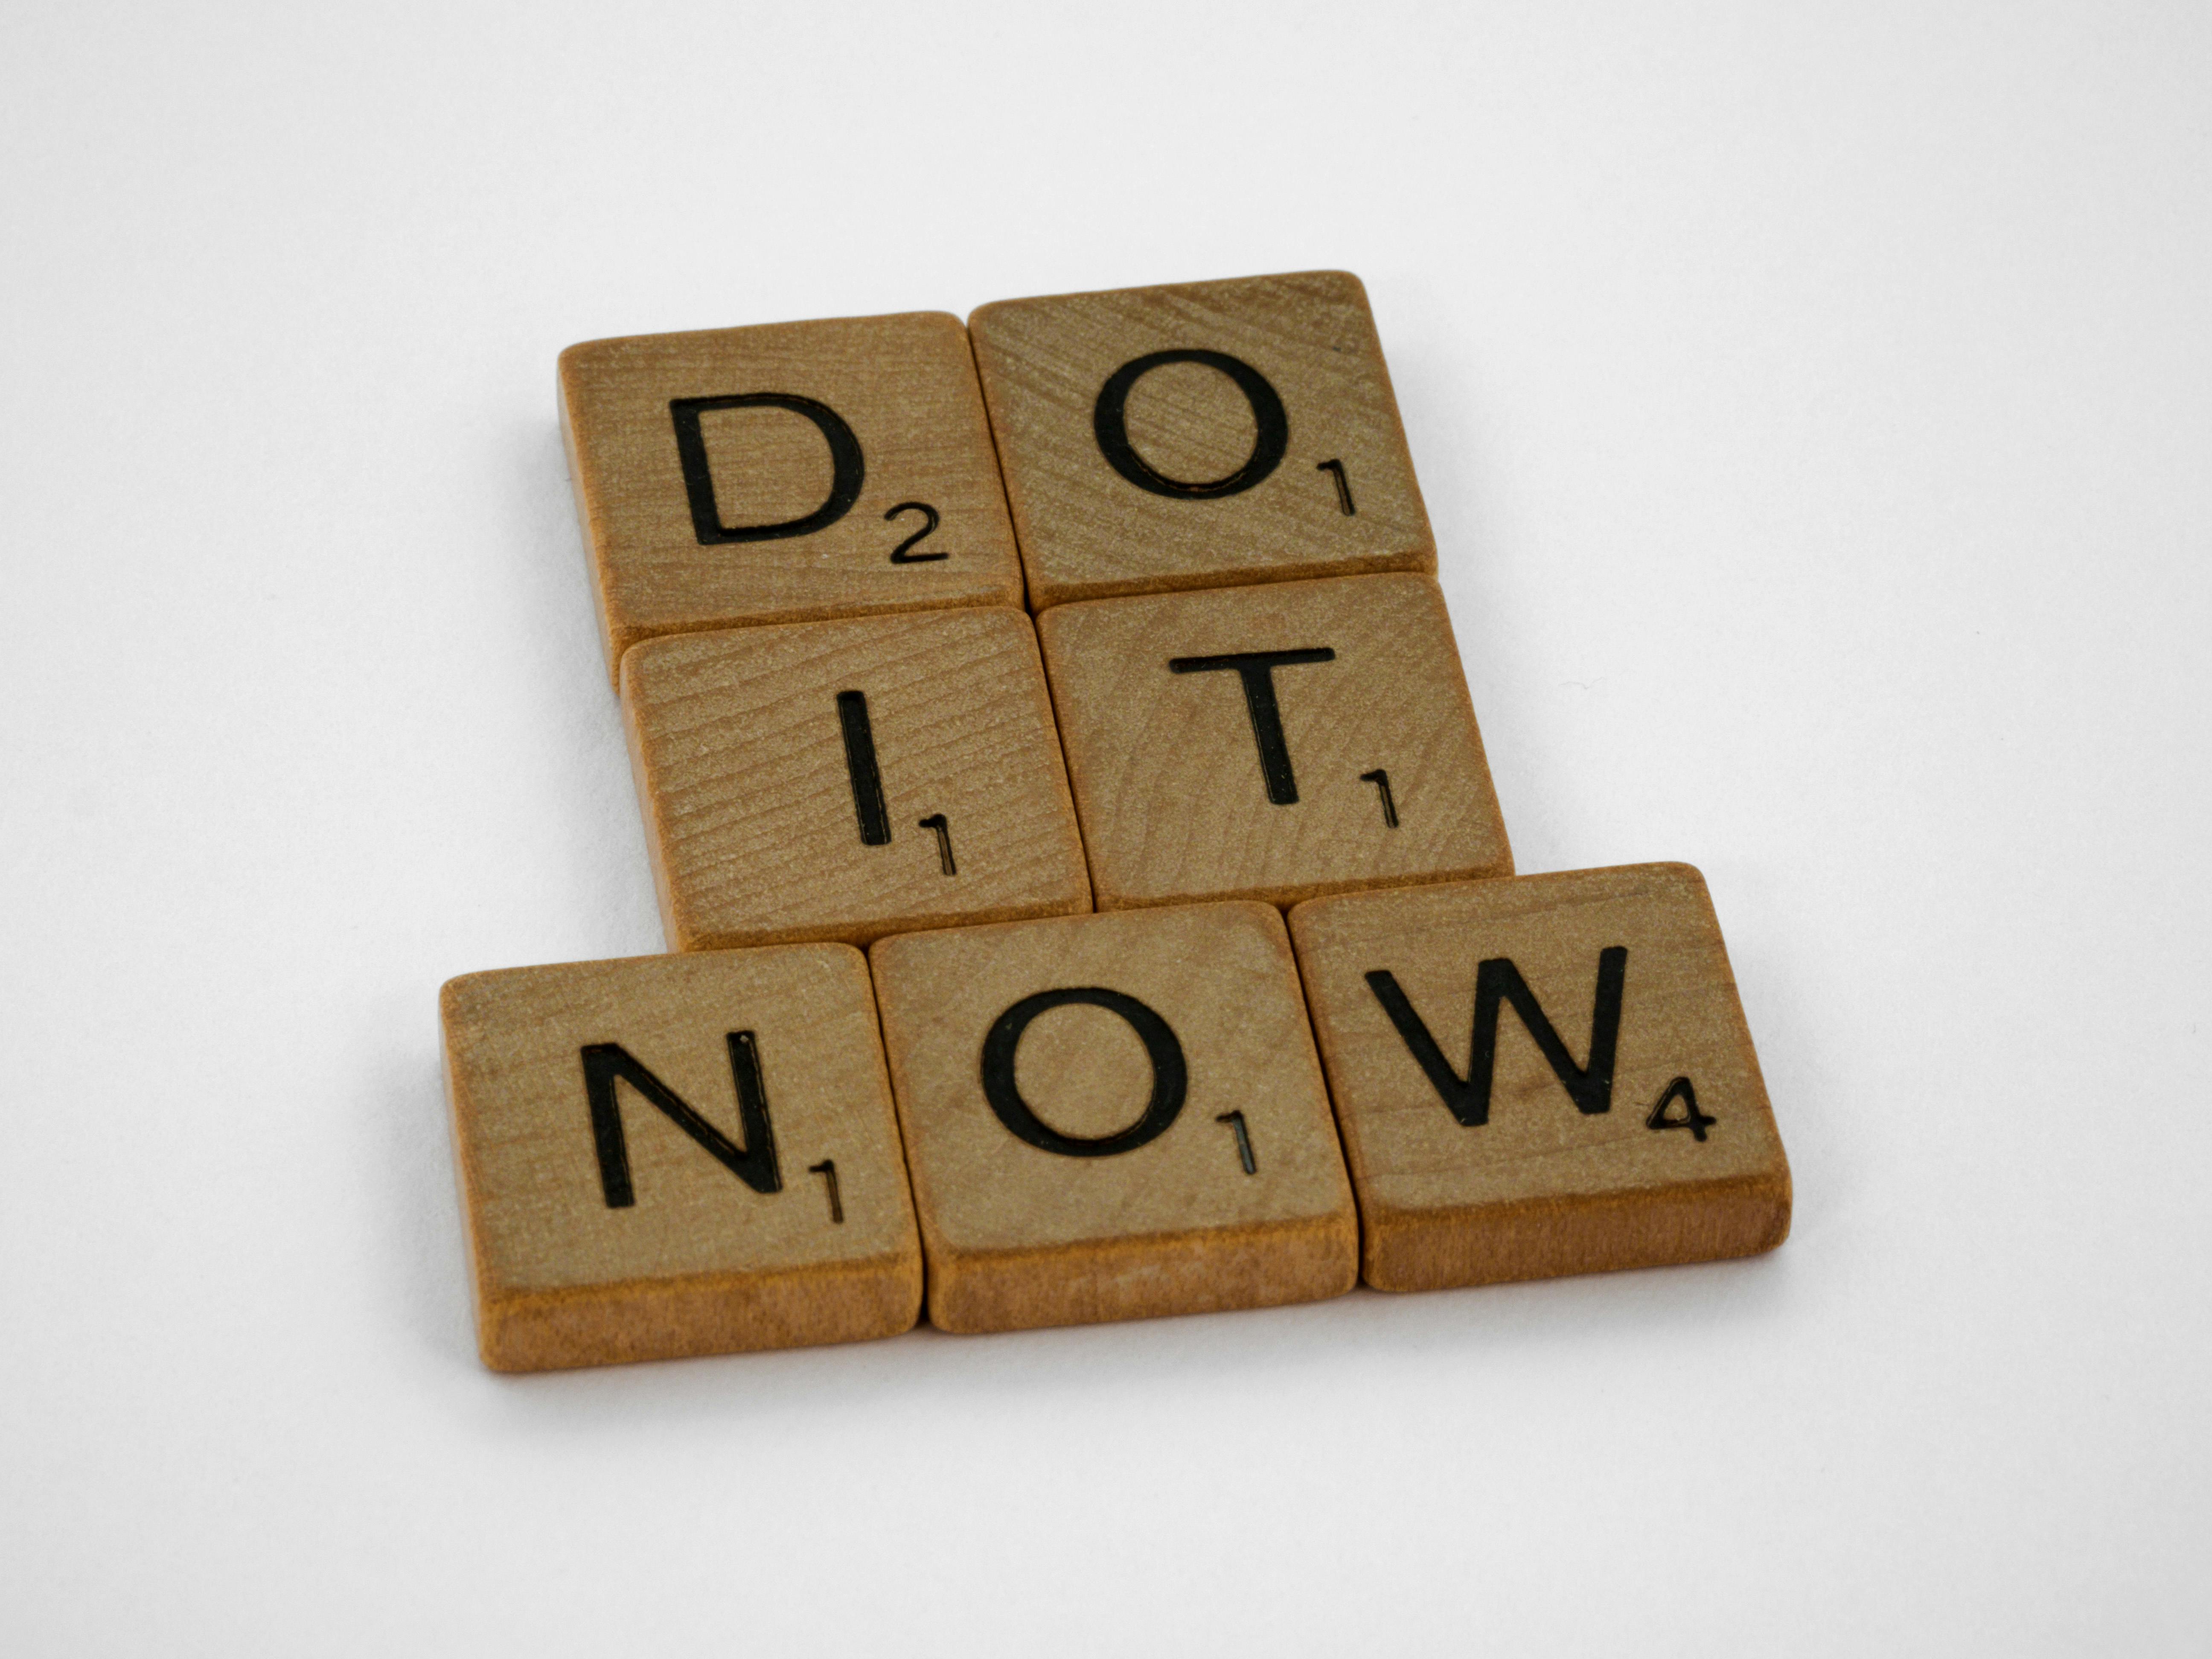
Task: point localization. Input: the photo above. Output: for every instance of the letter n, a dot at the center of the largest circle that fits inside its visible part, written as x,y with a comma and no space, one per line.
607,1064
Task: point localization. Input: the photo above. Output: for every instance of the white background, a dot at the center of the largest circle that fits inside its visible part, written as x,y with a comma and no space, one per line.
1814,407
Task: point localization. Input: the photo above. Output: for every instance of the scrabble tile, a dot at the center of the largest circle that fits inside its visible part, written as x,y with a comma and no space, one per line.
1202,434
1112,1117
843,780
1274,743
678,1155
1608,1111
783,473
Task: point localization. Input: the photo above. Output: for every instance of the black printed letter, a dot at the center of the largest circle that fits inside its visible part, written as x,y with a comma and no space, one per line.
1110,421
1498,982
1257,670
1169,1080
848,471
606,1064
861,766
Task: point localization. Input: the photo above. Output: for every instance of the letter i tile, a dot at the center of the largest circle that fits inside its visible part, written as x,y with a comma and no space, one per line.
1275,743
845,780
678,1155
1608,1111
1112,1117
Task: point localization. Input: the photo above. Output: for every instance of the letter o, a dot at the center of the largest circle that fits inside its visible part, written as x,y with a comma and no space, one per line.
1170,1081
1110,420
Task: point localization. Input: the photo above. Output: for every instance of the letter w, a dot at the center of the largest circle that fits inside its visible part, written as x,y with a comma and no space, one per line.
1498,983
606,1064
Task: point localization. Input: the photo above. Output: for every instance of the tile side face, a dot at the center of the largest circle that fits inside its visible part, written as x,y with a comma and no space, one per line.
1112,1117
1273,743
1199,435
678,1155
850,778
1644,1136
785,473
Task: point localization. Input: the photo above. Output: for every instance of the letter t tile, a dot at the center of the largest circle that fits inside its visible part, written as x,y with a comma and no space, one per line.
1274,743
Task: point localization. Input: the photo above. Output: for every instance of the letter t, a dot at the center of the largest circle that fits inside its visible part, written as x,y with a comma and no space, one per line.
1257,670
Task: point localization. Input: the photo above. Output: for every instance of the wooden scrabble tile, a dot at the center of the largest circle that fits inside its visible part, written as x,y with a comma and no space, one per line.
1608,1111
678,1155
1112,1117
843,780
1202,434
1273,743
783,473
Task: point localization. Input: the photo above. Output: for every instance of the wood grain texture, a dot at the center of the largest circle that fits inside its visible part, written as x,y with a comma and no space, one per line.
1543,1187
1167,767
700,1262
739,748
1018,1235
1087,532
904,386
